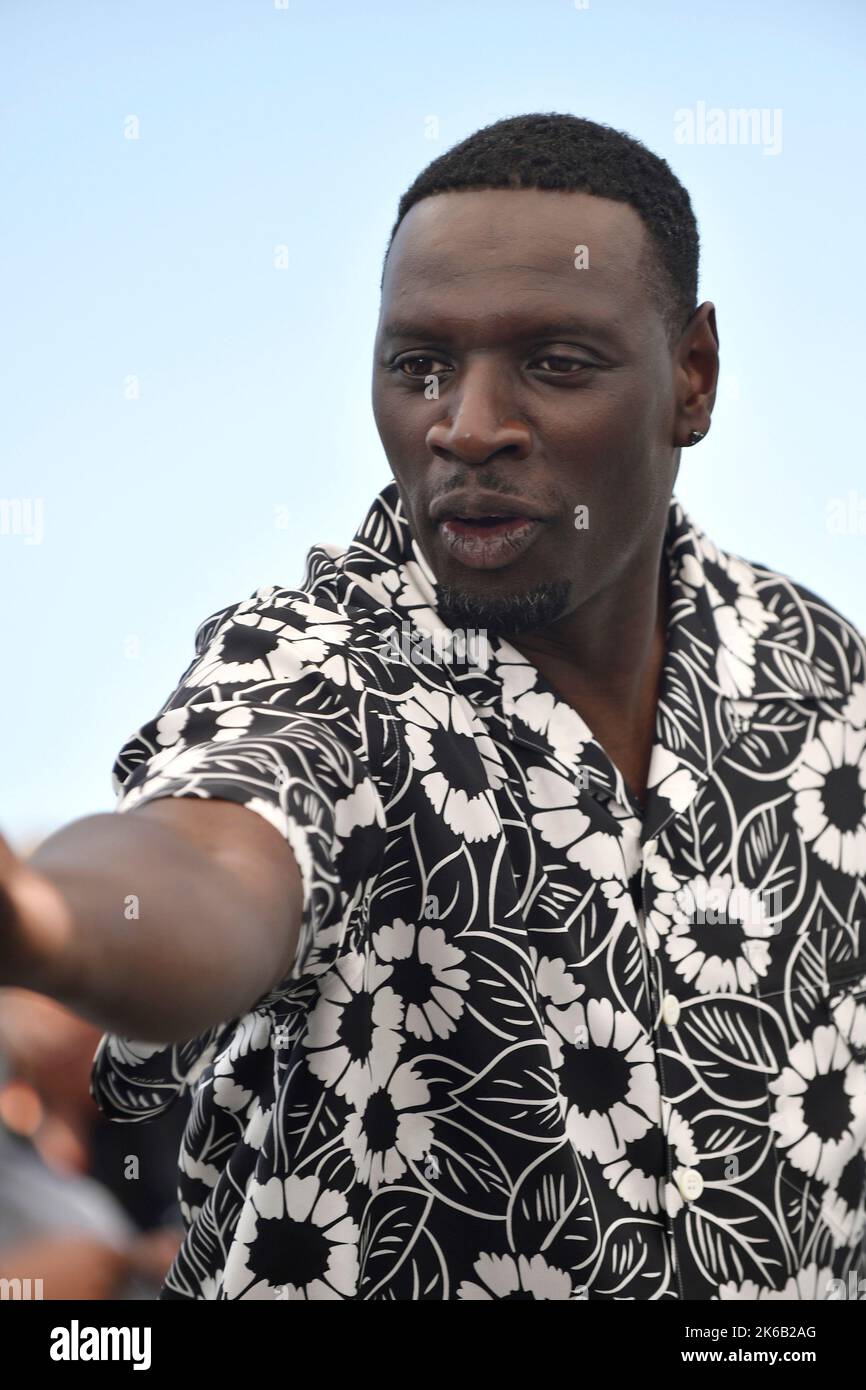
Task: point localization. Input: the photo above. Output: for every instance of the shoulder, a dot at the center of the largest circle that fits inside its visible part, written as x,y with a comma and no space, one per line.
804,627
325,610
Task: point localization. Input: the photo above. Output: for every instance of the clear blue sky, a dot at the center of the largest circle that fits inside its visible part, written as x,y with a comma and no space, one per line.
262,126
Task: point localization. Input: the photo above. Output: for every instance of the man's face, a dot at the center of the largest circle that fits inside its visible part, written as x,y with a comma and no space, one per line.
552,391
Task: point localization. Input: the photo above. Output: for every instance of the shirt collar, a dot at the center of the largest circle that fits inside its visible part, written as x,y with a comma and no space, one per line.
727,650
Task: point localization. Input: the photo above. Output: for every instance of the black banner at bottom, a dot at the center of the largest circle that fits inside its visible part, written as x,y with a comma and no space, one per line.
154,1338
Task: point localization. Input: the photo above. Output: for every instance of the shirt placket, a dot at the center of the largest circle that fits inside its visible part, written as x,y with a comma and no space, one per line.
665,1013
687,1180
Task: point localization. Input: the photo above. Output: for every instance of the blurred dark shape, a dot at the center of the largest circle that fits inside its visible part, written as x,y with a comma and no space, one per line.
151,1200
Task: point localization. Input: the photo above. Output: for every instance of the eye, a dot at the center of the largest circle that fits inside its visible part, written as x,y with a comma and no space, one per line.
418,365
563,366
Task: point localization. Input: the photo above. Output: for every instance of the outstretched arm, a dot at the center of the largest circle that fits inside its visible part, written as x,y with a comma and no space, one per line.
154,924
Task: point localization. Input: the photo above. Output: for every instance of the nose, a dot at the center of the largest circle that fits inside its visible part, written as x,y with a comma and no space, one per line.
481,424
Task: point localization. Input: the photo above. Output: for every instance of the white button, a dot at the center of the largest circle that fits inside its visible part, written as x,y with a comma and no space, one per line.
671,1010
690,1183
650,847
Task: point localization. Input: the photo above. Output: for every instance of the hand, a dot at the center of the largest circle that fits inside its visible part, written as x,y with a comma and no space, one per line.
33,919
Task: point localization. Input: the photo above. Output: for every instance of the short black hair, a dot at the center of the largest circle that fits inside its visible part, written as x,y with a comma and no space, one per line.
570,154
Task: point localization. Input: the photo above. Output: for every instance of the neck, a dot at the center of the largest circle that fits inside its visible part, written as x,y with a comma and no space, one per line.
606,660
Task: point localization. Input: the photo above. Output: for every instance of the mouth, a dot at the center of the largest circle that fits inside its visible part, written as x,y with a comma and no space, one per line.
484,523
489,541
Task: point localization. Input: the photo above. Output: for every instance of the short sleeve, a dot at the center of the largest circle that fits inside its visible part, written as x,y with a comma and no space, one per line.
266,715
261,717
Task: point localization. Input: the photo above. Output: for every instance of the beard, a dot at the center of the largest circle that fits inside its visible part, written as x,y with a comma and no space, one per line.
503,615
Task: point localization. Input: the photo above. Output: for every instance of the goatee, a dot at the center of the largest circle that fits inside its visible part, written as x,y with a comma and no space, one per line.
503,615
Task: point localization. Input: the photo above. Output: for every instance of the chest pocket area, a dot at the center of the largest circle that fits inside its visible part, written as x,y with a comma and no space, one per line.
814,999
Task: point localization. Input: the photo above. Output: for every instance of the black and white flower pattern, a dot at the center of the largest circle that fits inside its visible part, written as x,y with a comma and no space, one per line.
538,1042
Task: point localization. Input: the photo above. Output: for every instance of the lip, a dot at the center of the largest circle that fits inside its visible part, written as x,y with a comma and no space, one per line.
489,547
478,504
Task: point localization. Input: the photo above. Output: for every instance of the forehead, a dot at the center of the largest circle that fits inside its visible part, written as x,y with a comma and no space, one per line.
460,255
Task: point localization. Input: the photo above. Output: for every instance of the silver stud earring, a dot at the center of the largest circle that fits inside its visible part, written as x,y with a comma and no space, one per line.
696,436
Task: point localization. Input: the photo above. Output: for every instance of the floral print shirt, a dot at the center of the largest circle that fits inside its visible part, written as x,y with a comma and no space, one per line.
537,1042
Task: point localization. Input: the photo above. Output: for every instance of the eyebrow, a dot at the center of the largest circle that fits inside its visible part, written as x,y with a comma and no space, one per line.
561,328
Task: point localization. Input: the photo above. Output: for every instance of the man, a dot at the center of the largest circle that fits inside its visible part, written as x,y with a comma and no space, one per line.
539,968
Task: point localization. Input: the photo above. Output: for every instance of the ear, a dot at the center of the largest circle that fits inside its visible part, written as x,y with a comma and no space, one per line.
696,375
